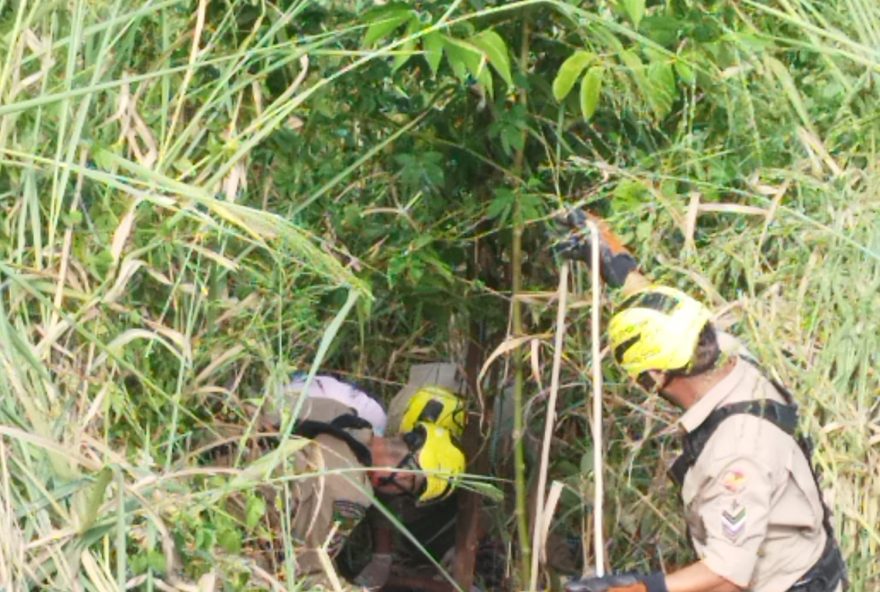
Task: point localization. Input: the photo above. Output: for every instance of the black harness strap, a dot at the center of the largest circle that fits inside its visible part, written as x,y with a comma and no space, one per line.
338,428
782,416
309,428
826,574
806,446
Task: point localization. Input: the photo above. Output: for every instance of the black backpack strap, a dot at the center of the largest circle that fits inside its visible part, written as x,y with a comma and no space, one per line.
338,428
805,443
350,421
782,416
826,574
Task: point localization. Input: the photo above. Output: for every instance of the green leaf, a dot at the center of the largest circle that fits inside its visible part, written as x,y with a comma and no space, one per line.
586,462
432,44
632,61
156,561
569,72
501,205
254,511
103,158
462,57
511,139
73,218
531,207
630,193
783,75
591,86
495,49
484,77
684,70
386,21
95,498
230,540
406,50
487,490
661,29
635,10
662,89
466,58
263,466
656,82
637,69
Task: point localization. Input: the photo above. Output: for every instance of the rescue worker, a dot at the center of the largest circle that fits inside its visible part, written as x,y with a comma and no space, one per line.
345,464
430,396
753,505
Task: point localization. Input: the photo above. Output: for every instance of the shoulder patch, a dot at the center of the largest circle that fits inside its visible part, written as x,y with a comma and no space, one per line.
734,481
347,513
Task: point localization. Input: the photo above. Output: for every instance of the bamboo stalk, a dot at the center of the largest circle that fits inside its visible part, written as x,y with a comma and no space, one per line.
520,485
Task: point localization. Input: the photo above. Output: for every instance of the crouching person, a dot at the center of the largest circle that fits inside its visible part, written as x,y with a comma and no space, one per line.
431,398
333,479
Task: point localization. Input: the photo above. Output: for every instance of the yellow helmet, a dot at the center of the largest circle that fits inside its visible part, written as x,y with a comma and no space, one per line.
656,329
439,459
436,405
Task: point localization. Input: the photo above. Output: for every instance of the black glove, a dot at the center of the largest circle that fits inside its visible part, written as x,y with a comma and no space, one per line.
655,582
615,262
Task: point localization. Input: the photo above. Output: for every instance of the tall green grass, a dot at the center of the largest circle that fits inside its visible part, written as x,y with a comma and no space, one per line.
137,292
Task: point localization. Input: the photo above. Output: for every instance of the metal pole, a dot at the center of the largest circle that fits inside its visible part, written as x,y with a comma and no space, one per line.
599,483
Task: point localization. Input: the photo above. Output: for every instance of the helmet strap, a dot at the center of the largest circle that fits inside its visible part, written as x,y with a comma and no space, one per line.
647,382
409,462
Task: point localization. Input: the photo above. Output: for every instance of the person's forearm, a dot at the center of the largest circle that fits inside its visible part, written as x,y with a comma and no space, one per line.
383,539
697,577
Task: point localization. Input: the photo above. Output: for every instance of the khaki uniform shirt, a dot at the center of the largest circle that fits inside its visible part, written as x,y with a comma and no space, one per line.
330,490
331,503
750,500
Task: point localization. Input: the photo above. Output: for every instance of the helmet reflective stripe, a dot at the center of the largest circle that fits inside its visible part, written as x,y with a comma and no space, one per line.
653,300
657,329
439,459
620,350
438,405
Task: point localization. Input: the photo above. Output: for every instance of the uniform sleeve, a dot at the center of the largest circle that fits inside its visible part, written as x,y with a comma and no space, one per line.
329,506
734,510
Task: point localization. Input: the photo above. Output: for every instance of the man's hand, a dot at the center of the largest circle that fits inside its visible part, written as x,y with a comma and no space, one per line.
375,573
655,582
615,262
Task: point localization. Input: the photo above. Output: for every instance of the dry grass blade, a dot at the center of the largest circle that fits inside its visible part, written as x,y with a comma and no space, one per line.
539,527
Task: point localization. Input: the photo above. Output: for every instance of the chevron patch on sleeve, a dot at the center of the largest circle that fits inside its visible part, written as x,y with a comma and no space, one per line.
733,521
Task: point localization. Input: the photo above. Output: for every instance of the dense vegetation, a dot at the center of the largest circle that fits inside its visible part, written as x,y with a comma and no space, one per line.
198,198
